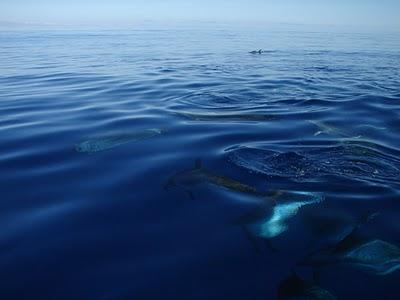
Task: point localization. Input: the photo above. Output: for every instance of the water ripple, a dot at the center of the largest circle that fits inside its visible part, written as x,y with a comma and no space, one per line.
316,112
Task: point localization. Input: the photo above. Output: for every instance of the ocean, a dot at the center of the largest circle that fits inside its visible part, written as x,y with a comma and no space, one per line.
175,164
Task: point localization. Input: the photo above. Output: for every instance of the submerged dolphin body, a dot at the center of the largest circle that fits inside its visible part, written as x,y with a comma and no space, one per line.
328,226
229,117
374,256
295,287
266,221
197,175
106,142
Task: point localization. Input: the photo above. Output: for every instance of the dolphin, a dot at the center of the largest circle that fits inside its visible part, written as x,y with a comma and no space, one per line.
374,256
198,175
268,220
328,226
256,52
294,287
106,142
353,237
225,116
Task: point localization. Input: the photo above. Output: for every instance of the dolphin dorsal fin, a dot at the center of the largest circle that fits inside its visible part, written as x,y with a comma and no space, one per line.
198,164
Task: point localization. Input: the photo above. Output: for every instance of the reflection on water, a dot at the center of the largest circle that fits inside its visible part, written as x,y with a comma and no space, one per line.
296,195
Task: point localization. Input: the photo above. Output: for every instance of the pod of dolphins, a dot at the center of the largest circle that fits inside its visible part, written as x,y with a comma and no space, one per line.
277,207
270,220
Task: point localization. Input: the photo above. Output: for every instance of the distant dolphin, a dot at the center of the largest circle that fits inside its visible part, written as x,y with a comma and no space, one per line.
106,142
295,287
256,52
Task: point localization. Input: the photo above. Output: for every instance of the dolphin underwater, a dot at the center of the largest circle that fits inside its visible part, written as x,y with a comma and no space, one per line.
374,256
198,174
106,142
229,117
294,287
328,226
266,221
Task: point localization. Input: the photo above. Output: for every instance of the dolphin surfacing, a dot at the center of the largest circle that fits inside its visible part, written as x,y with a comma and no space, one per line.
256,51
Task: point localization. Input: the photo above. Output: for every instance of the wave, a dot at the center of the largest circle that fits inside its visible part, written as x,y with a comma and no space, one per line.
348,161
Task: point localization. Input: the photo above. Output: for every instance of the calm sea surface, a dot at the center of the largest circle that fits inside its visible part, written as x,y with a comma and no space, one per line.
132,162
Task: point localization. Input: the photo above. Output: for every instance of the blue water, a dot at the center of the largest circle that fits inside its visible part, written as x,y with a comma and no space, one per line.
102,225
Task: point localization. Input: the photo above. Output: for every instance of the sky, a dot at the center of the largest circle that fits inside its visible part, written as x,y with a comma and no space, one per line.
120,13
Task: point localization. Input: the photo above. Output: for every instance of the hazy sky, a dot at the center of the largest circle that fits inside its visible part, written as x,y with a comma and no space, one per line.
368,13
